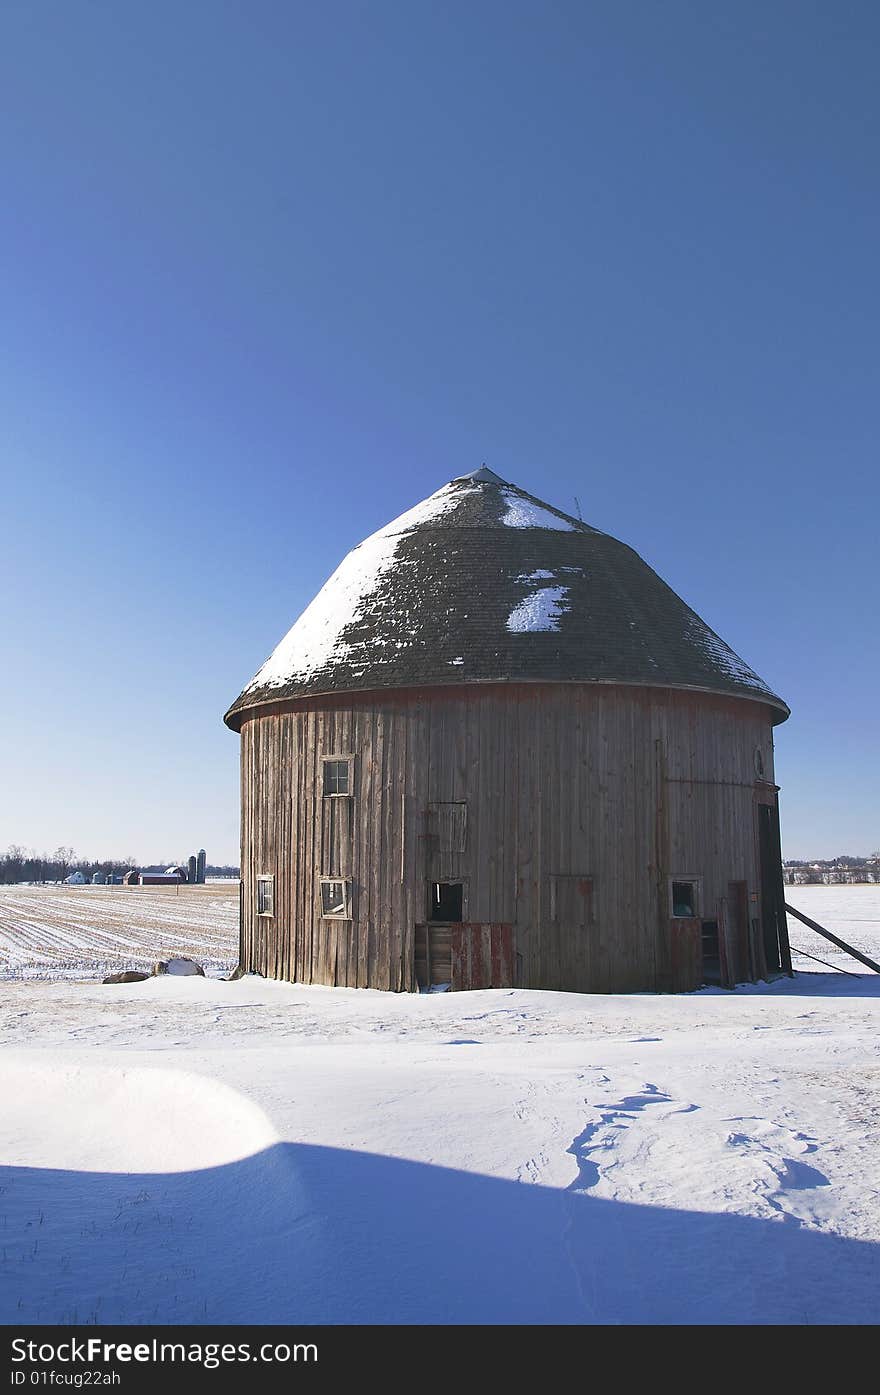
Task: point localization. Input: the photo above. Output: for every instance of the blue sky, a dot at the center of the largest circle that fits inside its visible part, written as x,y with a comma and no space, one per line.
272,272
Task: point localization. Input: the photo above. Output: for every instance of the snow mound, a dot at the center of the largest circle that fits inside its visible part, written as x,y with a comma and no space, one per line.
139,1119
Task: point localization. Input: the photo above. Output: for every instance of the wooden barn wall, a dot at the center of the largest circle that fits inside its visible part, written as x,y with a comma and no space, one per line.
626,787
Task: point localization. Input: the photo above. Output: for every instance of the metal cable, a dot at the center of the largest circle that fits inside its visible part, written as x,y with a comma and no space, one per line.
817,960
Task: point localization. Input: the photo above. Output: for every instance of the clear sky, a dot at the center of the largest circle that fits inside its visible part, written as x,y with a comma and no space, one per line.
273,272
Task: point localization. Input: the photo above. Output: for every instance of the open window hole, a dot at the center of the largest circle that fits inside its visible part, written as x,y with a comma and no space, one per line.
446,902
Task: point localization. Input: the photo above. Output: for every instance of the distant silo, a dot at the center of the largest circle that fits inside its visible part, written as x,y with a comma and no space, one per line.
200,866
192,874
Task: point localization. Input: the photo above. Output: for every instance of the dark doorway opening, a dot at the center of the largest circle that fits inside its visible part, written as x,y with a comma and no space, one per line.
711,952
774,926
446,902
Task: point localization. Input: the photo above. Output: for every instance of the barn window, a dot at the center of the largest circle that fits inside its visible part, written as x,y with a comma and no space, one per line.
446,902
265,895
684,896
447,825
335,899
338,779
571,901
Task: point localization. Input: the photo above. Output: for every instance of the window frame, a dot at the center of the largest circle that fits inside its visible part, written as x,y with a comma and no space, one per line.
687,879
553,895
345,883
263,879
339,759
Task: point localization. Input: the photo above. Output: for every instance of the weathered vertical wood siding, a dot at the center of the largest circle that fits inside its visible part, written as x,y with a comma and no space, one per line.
503,787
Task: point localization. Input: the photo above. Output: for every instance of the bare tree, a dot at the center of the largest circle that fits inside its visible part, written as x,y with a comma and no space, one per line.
64,857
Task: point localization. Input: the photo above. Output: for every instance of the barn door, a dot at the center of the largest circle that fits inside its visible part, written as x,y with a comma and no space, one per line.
433,956
483,957
567,933
738,914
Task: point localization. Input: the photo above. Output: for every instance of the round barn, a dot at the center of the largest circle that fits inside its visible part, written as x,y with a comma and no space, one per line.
497,750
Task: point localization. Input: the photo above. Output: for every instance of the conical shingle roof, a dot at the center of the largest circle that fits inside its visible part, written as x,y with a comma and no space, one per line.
483,583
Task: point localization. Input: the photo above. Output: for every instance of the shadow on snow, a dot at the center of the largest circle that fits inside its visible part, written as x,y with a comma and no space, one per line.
807,983
305,1234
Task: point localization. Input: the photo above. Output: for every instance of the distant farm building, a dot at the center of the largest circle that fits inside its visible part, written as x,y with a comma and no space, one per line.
99,879
194,872
160,879
131,878
75,879
498,750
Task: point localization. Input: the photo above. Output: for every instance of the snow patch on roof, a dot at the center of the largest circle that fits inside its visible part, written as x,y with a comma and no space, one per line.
722,656
541,610
522,513
315,639
440,502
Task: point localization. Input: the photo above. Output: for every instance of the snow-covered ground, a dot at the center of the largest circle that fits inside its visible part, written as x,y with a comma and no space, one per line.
193,1150
90,931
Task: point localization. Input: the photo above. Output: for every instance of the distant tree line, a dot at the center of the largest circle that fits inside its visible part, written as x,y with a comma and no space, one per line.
20,865
845,870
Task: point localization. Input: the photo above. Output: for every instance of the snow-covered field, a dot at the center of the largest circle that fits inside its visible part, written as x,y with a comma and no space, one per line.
852,913
90,931
193,1150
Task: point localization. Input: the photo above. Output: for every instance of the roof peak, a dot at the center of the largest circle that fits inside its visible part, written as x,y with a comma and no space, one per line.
482,476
